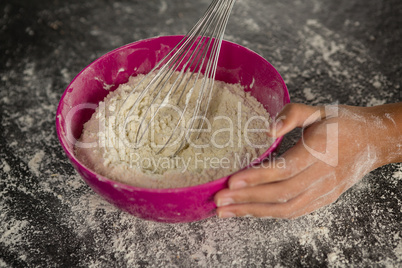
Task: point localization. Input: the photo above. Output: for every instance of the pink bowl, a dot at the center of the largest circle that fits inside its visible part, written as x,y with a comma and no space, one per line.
237,64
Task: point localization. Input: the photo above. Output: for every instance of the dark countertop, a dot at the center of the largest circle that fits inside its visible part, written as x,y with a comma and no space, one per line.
345,51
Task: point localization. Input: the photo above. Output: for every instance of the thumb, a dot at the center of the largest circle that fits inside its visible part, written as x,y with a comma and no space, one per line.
295,115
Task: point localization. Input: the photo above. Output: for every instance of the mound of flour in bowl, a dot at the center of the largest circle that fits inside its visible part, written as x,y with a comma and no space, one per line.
233,134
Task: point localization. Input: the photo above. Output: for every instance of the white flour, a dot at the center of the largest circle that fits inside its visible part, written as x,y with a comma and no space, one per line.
233,136
6,167
34,163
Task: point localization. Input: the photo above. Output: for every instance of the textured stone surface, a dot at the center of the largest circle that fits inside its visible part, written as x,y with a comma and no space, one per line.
345,51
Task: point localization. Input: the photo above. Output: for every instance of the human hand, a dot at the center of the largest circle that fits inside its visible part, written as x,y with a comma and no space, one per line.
339,145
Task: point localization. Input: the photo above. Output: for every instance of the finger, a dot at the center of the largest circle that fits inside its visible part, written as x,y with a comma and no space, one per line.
295,115
277,192
290,209
291,163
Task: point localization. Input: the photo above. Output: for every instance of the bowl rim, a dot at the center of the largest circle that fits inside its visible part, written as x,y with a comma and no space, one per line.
71,155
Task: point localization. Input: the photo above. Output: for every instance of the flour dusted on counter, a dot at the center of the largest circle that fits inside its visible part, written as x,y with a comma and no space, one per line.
233,135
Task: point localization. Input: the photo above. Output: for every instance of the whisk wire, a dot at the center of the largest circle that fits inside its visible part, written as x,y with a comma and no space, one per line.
176,84
172,65
210,72
196,55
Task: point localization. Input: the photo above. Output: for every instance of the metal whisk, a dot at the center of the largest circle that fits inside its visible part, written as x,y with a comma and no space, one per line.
194,57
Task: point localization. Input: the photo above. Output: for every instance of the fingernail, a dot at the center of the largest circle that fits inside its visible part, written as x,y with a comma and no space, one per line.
226,214
237,185
224,201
